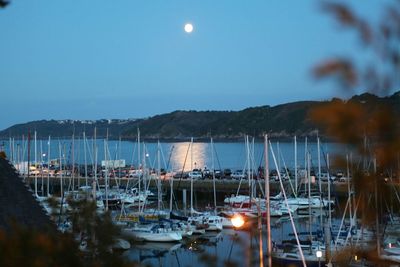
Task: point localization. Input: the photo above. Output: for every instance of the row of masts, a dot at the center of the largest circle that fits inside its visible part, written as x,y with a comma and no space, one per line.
16,158
251,181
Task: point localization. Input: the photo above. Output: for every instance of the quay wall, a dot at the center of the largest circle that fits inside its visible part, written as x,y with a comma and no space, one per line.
224,186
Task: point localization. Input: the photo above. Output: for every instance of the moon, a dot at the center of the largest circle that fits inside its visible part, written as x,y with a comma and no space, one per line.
188,27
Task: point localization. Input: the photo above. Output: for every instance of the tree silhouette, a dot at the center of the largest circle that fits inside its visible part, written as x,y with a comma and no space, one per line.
374,134
4,3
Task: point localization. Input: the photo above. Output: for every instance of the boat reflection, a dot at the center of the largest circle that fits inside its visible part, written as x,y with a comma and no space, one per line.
143,251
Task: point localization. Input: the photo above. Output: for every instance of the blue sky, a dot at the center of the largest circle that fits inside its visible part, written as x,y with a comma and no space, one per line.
132,59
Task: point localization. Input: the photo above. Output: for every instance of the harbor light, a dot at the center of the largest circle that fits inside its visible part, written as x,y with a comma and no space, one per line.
237,221
319,255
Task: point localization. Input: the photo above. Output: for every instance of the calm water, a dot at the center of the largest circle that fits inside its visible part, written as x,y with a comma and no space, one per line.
173,156
239,248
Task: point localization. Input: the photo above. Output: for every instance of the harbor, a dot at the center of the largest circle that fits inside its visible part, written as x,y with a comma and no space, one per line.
179,215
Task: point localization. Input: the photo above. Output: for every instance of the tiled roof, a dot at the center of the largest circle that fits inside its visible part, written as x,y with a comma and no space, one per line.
17,203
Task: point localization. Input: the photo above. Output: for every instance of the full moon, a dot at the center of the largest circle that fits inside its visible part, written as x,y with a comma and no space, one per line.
188,27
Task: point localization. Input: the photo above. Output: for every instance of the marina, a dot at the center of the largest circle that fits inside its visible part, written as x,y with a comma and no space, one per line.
181,216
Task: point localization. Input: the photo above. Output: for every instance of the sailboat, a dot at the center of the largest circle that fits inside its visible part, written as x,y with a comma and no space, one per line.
152,232
294,256
158,230
315,258
247,205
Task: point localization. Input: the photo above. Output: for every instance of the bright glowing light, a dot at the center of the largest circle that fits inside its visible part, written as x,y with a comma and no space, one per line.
319,253
188,27
237,221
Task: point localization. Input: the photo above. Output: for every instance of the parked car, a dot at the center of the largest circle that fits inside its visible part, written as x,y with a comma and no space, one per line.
207,174
344,179
195,175
339,174
135,173
251,173
120,174
218,174
324,177
227,173
238,174
181,175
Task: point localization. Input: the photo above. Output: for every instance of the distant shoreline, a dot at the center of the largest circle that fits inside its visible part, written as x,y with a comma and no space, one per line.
300,139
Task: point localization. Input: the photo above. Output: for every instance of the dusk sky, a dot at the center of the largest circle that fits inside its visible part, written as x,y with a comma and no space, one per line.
133,59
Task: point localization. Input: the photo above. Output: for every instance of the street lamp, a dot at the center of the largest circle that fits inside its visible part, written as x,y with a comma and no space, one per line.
237,220
319,255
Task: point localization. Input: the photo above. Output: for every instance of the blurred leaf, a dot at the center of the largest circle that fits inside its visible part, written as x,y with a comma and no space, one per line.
341,12
340,69
344,121
4,3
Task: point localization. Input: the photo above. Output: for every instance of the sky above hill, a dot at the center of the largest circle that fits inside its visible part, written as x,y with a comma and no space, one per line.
132,59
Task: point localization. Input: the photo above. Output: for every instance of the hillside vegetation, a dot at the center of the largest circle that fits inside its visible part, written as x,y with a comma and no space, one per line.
281,121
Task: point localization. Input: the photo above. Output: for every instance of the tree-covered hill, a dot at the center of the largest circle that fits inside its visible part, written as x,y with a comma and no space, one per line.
280,121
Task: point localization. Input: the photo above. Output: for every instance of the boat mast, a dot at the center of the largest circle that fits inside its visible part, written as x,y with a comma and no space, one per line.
60,169
267,205
212,163
41,167
305,161
29,152
159,196
36,185
144,168
171,181
10,147
171,191
73,162
349,190
248,169
288,208
279,156
295,165
309,196
138,145
253,182
191,178
19,158
321,201
85,159
48,166
14,154
377,232
106,169
329,225
95,162
319,165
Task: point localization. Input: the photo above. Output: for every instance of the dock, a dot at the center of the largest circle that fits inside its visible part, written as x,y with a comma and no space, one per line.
225,186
